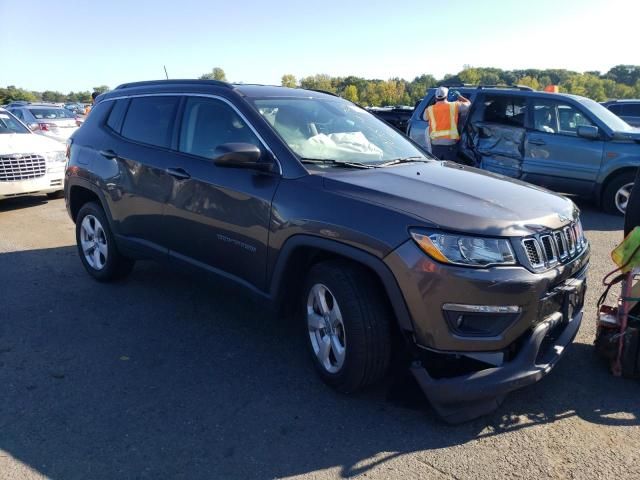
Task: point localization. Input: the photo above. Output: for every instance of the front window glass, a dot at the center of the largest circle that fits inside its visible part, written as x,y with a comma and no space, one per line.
555,117
50,113
209,123
9,124
334,130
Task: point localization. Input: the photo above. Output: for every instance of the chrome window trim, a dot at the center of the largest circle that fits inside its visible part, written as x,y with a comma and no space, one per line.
205,95
460,307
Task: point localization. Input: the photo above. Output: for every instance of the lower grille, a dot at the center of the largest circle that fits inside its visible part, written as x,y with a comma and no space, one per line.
22,167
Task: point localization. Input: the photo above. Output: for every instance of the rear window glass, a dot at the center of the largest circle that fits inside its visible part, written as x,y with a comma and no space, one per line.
150,120
114,122
504,109
51,113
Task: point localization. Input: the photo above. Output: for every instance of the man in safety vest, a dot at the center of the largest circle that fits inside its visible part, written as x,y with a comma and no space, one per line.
443,117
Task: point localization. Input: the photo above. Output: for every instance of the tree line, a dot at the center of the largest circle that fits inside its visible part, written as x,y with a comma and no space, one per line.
622,81
12,93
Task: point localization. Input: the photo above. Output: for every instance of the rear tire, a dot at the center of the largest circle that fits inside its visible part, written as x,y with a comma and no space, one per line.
617,192
97,247
350,337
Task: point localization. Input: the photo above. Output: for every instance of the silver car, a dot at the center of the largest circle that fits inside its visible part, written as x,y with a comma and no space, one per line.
45,119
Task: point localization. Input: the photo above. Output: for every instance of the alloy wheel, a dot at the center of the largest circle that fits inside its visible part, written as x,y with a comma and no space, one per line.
622,197
94,242
326,328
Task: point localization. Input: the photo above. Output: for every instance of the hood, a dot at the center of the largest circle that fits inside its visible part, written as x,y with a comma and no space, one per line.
453,197
15,143
631,134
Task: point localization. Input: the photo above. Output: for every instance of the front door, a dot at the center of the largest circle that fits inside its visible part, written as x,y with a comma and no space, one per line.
555,156
218,217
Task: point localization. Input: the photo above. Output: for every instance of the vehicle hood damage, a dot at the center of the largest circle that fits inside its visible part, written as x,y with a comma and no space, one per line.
458,198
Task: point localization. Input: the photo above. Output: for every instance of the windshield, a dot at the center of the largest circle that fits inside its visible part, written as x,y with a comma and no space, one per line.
50,113
10,124
334,130
610,119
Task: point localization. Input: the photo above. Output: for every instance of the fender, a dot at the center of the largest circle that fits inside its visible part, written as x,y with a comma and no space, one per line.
374,263
75,181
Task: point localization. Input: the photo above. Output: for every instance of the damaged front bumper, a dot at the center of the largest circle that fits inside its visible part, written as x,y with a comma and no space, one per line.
465,397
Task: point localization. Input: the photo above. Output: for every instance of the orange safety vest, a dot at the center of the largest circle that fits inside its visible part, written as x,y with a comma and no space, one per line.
443,120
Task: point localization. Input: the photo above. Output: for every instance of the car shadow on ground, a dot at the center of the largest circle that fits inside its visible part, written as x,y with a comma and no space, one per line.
18,203
174,375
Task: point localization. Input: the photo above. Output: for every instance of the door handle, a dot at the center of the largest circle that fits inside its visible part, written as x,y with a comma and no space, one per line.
178,173
537,141
110,154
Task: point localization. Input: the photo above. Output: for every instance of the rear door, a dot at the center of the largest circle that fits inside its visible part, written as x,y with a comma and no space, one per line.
135,166
493,136
218,217
555,157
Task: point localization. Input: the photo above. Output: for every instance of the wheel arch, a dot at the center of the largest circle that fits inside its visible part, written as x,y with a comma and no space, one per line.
300,252
81,192
602,186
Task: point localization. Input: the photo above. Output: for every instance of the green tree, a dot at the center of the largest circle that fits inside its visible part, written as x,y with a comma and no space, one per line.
351,93
289,80
529,82
11,93
101,89
215,74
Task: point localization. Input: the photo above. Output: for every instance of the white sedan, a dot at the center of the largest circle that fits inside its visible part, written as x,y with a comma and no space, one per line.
29,163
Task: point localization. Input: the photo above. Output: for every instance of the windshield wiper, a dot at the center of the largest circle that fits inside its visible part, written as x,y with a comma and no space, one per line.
398,161
336,163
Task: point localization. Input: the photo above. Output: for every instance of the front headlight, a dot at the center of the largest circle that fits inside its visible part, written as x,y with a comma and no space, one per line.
465,250
57,157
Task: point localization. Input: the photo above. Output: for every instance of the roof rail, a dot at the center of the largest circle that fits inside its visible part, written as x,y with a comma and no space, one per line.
188,81
468,85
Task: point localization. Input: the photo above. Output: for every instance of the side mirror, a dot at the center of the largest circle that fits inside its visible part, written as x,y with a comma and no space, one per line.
241,155
588,131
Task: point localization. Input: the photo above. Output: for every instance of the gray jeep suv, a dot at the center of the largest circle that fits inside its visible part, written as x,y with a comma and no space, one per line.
567,143
314,204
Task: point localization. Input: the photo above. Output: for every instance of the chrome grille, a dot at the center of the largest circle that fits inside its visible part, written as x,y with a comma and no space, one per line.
547,249
534,254
561,245
22,167
571,242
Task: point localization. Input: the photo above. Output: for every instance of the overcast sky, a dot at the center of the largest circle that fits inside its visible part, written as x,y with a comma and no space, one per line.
76,45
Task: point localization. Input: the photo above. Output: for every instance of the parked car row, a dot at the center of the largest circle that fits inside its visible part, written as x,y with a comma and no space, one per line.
46,119
566,143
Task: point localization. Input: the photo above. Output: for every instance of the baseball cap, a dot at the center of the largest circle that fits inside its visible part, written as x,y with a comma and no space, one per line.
442,92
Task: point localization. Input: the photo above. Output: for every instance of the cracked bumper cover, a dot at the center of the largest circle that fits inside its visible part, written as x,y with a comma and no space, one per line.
465,397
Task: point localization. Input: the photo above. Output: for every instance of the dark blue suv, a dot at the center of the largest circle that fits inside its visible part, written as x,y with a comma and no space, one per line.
566,143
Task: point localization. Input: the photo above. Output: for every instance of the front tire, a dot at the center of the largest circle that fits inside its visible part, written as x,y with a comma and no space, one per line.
96,245
347,322
616,194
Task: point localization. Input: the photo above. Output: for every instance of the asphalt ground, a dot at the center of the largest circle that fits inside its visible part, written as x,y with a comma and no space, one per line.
170,374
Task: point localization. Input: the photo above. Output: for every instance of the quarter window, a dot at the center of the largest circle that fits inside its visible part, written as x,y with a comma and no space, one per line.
114,121
208,123
150,120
